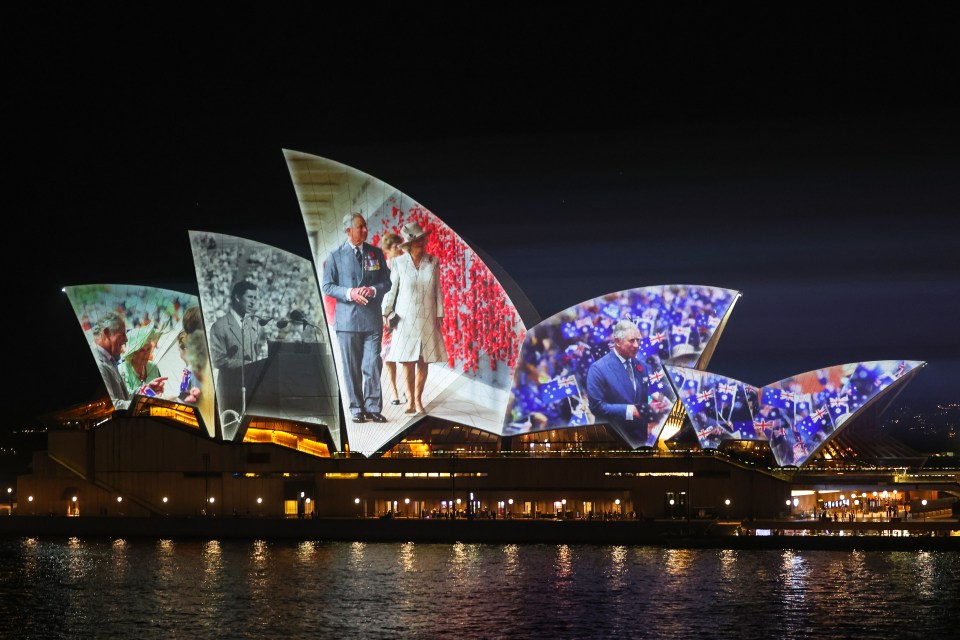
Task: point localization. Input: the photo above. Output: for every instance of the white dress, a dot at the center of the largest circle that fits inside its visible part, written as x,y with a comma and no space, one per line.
415,295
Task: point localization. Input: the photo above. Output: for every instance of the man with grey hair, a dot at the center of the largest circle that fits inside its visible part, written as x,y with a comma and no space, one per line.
109,338
617,385
357,276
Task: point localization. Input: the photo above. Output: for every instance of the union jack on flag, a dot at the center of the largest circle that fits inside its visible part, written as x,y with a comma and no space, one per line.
819,414
762,424
558,389
726,389
704,396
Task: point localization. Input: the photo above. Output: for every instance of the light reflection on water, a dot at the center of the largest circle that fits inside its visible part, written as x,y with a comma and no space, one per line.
271,589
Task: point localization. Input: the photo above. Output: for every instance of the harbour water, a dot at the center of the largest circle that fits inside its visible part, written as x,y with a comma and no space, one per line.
160,588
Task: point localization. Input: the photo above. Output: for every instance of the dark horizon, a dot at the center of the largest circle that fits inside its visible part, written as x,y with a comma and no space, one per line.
812,168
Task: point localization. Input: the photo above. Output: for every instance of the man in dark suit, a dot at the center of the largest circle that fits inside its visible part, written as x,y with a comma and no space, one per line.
234,344
617,386
357,276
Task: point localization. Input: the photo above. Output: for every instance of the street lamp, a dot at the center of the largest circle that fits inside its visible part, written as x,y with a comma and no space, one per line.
924,504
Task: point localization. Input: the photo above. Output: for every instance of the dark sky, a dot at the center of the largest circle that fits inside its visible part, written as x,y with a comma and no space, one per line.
811,161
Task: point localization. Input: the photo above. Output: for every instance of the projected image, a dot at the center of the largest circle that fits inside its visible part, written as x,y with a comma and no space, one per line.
148,342
573,367
802,412
419,323
719,408
268,348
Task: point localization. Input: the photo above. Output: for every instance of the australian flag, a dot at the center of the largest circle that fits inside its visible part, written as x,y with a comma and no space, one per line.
611,310
700,402
651,346
656,381
558,389
680,335
839,405
776,397
727,391
645,326
807,427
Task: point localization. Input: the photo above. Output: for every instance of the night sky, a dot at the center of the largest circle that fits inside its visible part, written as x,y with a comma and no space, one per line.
810,161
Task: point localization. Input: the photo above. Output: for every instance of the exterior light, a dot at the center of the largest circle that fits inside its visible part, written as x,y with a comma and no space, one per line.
564,501
119,498
788,503
164,499
727,502
510,501
74,498
307,500
356,501
617,502
29,498
458,500
796,502
9,489
406,501
303,493
259,500
924,502
212,500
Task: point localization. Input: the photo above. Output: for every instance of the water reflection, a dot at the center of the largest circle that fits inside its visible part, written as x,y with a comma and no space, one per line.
276,589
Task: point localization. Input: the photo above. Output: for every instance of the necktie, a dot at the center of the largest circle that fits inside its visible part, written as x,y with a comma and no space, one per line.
633,378
356,252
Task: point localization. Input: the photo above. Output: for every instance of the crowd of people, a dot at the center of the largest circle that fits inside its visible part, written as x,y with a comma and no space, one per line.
794,415
671,322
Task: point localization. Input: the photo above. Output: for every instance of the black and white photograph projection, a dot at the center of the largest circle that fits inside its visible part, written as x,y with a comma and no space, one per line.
147,342
269,349
602,360
719,408
800,413
421,325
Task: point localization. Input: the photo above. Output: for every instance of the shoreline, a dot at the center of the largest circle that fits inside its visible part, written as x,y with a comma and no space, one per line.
674,534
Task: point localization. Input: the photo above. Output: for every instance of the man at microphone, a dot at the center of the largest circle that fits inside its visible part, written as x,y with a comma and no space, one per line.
235,342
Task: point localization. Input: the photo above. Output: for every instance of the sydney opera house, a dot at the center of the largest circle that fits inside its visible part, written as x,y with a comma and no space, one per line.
413,379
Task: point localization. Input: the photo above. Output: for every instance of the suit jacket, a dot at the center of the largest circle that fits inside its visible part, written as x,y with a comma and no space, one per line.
610,391
342,273
112,378
227,349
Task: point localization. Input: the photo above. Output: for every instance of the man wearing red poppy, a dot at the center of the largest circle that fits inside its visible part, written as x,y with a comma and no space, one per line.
356,274
617,385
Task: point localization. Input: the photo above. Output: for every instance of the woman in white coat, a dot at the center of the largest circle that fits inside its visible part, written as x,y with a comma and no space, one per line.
416,298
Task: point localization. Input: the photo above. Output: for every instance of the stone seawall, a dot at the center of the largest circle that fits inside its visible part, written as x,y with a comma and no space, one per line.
667,533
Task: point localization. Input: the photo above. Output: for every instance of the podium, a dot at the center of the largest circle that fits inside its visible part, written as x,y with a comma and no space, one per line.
293,383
